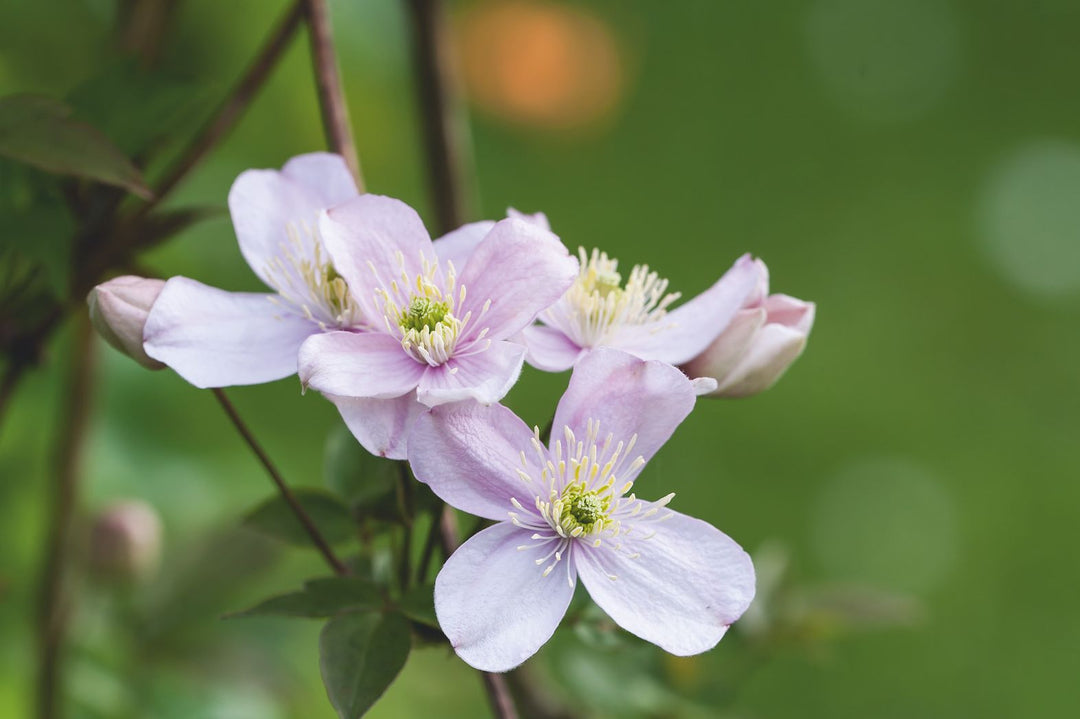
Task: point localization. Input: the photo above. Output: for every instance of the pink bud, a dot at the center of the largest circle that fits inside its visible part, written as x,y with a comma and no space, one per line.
118,309
763,339
125,541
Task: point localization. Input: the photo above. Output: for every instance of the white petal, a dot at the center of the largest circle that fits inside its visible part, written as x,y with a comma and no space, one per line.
627,396
214,338
687,584
470,456
493,602
353,364
381,426
485,376
264,202
458,245
549,349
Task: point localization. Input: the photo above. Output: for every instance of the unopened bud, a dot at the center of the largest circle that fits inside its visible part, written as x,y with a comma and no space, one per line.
125,541
118,309
766,335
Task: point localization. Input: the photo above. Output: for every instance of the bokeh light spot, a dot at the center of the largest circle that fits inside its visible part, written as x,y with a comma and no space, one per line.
885,522
884,60
540,63
1029,218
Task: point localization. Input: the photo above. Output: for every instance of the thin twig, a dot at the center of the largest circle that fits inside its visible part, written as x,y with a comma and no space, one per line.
301,514
233,106
52,601
430,542
442,123
335,113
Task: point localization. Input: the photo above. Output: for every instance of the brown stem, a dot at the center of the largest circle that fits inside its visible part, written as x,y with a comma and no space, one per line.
335,112
301,514
52,601
234,105
442,123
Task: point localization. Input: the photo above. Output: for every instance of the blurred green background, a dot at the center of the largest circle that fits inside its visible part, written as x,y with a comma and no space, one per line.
913,166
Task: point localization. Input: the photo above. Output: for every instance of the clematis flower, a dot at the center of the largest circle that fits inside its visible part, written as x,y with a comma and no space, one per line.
601,310
214,338
767,334
566,511
118,311
435,336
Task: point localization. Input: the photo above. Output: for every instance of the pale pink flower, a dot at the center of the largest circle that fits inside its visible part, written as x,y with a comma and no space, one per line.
635,313
437,332
767,334
566,511
214,338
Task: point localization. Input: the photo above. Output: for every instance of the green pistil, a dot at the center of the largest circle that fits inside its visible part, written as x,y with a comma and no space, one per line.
423,313
587,510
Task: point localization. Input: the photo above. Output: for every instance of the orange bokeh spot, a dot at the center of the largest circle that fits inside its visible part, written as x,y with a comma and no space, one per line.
540,63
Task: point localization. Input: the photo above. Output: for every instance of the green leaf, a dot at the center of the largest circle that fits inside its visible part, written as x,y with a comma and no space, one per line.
275,518
362,479
37,130
418,604
359,656
140,109
322,597
35,223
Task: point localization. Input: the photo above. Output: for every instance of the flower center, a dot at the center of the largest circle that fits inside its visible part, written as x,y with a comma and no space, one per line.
581,494
597,304
424,313
306,280
419,312
582,508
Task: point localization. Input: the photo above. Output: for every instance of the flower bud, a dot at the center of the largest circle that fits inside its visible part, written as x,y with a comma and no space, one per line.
766,335
118,309
125,541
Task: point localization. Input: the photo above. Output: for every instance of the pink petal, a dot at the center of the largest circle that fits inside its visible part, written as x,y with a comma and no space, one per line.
627,396
493,602
381,426
692,327
214,338
790,312
687,584
264,202
470,455
456,246
549,349
358,365
774,348
724,353
485,376
521,269
537,218
323,173
372,241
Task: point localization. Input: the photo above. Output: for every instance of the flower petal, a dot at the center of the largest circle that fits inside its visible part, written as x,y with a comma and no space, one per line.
627,396
485,376
214,338
372,240
493,602
470,455
729,347
358,365
521,269
537,218
381,426
774,348
690,328
264,202
325,174
687,584
549,349
456,246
